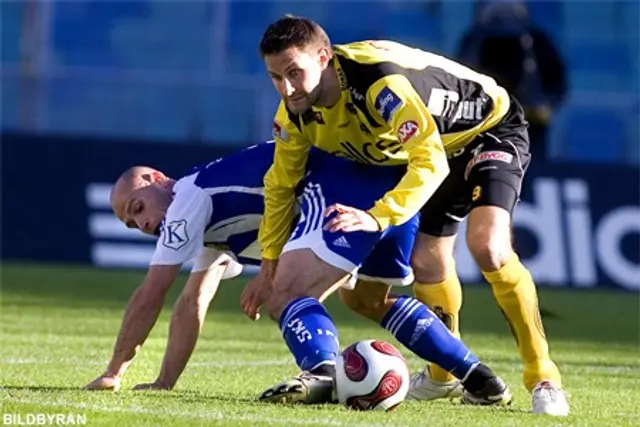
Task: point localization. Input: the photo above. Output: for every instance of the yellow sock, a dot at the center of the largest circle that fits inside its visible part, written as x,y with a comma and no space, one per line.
516,294
445,299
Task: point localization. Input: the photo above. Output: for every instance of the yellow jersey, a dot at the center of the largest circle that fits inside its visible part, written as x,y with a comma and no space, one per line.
399,105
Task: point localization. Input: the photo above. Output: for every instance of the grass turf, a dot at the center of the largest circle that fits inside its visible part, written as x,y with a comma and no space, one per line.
59,325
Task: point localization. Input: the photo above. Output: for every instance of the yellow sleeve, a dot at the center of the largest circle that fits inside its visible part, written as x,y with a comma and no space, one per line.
397,104
289,163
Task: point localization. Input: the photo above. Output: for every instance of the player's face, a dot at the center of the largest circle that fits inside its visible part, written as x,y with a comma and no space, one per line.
296,74
144,206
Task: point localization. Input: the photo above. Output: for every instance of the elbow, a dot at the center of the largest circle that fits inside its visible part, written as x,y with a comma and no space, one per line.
438,167
190,308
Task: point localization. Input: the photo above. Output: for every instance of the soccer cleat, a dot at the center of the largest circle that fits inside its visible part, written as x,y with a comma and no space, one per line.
549,400
494,392
423,387
304,388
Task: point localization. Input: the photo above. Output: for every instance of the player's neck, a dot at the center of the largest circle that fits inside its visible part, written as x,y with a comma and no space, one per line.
331,91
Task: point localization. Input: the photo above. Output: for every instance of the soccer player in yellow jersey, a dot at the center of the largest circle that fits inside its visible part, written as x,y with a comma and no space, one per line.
465,143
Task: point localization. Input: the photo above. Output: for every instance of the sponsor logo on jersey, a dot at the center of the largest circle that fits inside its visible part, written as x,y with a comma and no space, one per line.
407,130
446,103
174,234
499,156
279,132
387,103
356,95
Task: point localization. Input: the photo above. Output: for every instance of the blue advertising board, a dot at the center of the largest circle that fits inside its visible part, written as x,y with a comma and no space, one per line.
576,226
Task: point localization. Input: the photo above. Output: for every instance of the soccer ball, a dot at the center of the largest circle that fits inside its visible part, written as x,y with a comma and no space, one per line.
371,375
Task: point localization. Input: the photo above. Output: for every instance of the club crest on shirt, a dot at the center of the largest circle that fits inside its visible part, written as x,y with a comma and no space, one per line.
279,132
174,234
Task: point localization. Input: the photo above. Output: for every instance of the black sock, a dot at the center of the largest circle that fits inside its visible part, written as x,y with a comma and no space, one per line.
325,369
478,378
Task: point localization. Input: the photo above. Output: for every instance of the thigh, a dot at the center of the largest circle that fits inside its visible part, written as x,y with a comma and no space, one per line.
345,251
314,262
499,160
487,172
302,273
443,212
389,262
335,180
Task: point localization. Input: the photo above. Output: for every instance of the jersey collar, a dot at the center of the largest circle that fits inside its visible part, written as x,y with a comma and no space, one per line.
342,77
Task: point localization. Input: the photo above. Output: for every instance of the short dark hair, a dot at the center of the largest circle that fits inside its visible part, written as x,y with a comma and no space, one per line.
292,31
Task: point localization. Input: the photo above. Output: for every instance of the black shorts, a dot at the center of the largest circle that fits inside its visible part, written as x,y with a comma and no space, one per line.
487,172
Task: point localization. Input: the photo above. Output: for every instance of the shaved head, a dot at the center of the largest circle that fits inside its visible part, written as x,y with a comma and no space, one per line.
140,197
130,180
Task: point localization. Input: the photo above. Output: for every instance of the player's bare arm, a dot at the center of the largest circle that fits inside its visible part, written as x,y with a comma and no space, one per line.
186,324
141,314
257,289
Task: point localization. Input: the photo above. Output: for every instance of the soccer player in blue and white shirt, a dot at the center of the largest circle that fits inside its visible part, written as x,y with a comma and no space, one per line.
212,216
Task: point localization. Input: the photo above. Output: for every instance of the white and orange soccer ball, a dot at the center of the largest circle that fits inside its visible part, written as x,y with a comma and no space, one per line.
371,375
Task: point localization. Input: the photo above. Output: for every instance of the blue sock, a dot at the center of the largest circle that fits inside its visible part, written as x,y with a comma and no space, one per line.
422,332
309,333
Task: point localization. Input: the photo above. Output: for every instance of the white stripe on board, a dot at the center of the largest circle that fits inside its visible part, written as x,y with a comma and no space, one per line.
106,225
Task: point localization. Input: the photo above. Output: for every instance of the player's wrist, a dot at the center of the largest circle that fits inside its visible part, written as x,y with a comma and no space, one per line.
268,267
164,383
382,224
376,221
116,368
109,373
271,253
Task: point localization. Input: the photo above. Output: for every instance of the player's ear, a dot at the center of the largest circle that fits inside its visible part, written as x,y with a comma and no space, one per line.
158,176
324,56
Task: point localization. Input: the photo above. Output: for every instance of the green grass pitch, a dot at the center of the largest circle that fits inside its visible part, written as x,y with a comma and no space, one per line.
59,325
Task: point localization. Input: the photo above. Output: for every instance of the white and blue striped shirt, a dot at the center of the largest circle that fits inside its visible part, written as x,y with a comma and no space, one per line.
217,205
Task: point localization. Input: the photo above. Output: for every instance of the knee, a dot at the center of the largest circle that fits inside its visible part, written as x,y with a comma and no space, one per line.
275,305
431,266
281,295
490,251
